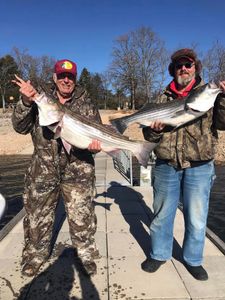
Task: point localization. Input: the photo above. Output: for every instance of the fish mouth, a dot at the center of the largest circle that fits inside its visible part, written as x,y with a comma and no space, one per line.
54,124
192,110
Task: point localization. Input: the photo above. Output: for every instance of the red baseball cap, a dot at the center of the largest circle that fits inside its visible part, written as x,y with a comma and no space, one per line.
65,66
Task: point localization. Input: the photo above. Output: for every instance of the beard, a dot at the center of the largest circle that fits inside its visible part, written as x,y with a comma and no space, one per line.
183,82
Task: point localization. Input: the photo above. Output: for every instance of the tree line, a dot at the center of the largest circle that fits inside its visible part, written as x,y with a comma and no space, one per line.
136,74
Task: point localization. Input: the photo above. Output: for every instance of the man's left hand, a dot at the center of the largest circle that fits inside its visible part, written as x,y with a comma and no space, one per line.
222,85
95,146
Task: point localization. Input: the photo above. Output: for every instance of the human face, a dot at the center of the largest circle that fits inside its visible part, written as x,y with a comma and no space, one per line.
65,83
184,72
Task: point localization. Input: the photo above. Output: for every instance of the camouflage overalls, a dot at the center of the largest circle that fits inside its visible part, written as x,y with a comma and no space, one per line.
52,173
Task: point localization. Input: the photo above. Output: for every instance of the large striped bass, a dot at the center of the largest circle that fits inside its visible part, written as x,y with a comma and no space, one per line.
79,131
174,113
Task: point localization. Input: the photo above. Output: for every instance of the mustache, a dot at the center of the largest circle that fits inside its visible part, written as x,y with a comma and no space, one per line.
183,72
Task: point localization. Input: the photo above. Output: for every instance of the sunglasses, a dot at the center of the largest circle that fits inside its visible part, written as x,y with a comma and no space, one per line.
187,65
64,75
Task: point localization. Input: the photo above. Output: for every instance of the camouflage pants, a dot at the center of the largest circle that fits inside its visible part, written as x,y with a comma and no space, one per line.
40,201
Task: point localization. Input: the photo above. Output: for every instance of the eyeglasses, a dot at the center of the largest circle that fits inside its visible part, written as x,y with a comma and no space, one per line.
64,75
187,65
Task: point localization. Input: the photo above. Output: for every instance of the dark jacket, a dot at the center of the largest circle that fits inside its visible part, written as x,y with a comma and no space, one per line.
192,143
50,162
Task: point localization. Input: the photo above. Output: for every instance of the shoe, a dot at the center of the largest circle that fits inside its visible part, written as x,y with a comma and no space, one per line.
152,265
96,254
30,269
198,272
90,268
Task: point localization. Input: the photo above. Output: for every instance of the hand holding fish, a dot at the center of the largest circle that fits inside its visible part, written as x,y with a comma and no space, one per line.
157,125
26,89
77,130
174,113
95,146
222,85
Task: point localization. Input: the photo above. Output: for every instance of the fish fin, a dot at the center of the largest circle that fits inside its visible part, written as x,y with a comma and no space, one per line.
143,152
177,114
144,124
57,132
113,153
147,106
176,127
67,146
119,124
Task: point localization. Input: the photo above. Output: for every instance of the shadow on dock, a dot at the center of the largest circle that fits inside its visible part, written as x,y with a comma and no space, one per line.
58,280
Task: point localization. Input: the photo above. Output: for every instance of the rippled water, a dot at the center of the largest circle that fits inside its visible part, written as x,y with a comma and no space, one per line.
216,217
12,169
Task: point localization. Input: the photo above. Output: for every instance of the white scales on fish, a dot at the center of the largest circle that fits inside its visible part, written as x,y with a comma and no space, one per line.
79,131
174,113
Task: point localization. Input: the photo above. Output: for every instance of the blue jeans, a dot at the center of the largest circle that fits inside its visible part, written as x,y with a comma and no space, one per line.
192,186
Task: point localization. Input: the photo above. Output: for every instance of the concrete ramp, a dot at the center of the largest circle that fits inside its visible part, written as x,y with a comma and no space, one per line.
124,214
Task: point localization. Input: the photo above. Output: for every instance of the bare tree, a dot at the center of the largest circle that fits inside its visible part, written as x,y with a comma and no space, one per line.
152,60
139,63
106,81
46,65
37,69
124,66
8,68
27,65
214,63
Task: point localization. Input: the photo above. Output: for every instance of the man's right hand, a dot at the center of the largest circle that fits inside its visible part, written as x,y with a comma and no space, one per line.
27,91
157,125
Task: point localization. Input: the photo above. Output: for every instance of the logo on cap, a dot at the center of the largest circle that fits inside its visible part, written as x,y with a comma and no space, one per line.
67,65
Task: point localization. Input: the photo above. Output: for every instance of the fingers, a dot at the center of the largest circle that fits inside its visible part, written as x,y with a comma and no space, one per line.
222,85
19,81
23,84
95,146
157,125
26,88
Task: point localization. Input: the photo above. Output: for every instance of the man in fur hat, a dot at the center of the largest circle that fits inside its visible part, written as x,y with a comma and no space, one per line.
184,170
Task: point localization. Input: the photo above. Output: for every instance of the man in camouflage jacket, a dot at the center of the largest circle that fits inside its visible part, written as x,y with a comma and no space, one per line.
184,169
53,172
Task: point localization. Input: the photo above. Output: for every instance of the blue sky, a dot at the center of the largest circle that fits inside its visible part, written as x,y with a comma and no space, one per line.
84,30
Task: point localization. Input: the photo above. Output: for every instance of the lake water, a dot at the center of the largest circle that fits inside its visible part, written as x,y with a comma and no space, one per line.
12,170
216,217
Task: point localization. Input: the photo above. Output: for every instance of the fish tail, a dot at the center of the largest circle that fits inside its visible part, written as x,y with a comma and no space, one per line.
119,124
143,151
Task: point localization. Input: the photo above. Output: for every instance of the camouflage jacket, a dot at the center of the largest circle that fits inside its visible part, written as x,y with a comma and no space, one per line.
50,160
192,143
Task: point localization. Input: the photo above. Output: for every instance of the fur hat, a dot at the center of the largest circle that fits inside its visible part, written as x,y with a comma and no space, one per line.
184,53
